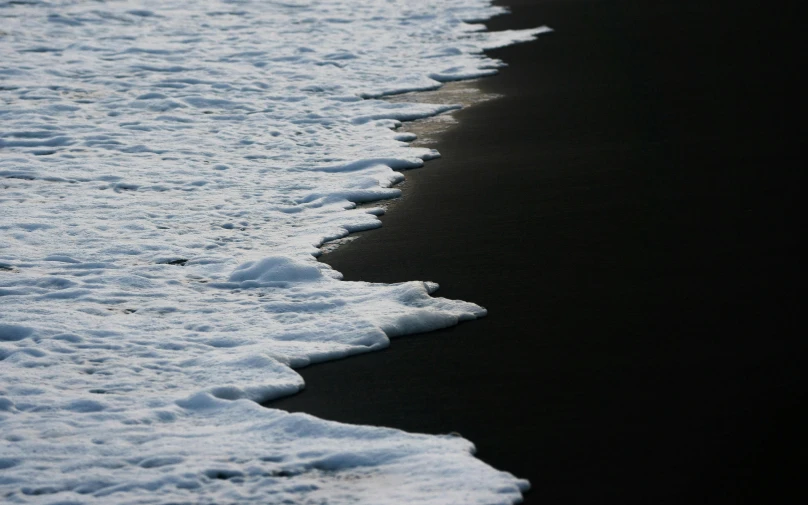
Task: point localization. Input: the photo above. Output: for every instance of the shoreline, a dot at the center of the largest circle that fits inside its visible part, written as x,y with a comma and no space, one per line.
617,213
428,130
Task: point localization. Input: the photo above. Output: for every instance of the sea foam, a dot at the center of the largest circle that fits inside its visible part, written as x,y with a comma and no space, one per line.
168,172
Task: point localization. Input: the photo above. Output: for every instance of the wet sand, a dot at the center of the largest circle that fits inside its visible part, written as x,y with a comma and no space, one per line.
627,212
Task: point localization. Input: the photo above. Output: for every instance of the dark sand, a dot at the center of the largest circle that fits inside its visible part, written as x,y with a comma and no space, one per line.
627,213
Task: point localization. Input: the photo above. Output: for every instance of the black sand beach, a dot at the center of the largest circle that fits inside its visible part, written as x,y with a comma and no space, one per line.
628,215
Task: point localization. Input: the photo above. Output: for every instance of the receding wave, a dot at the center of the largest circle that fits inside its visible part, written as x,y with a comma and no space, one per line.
169,170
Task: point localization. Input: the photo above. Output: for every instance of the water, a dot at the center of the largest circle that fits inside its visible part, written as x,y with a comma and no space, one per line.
169,171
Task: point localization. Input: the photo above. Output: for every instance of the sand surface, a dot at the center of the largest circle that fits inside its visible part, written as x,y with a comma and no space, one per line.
627,212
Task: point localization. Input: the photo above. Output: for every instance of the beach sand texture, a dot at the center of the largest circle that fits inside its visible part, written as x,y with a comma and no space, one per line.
627,214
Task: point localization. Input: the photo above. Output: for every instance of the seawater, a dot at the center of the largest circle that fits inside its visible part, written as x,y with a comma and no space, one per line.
168,172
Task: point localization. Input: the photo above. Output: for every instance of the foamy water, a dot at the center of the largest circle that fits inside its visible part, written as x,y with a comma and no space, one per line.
168,171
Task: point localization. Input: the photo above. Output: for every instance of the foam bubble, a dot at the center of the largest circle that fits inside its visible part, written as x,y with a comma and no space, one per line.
169,170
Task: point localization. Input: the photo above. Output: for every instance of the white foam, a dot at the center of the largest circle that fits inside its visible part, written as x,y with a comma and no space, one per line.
168,170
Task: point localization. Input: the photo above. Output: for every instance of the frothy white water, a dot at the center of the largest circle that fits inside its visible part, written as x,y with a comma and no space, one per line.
168,170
